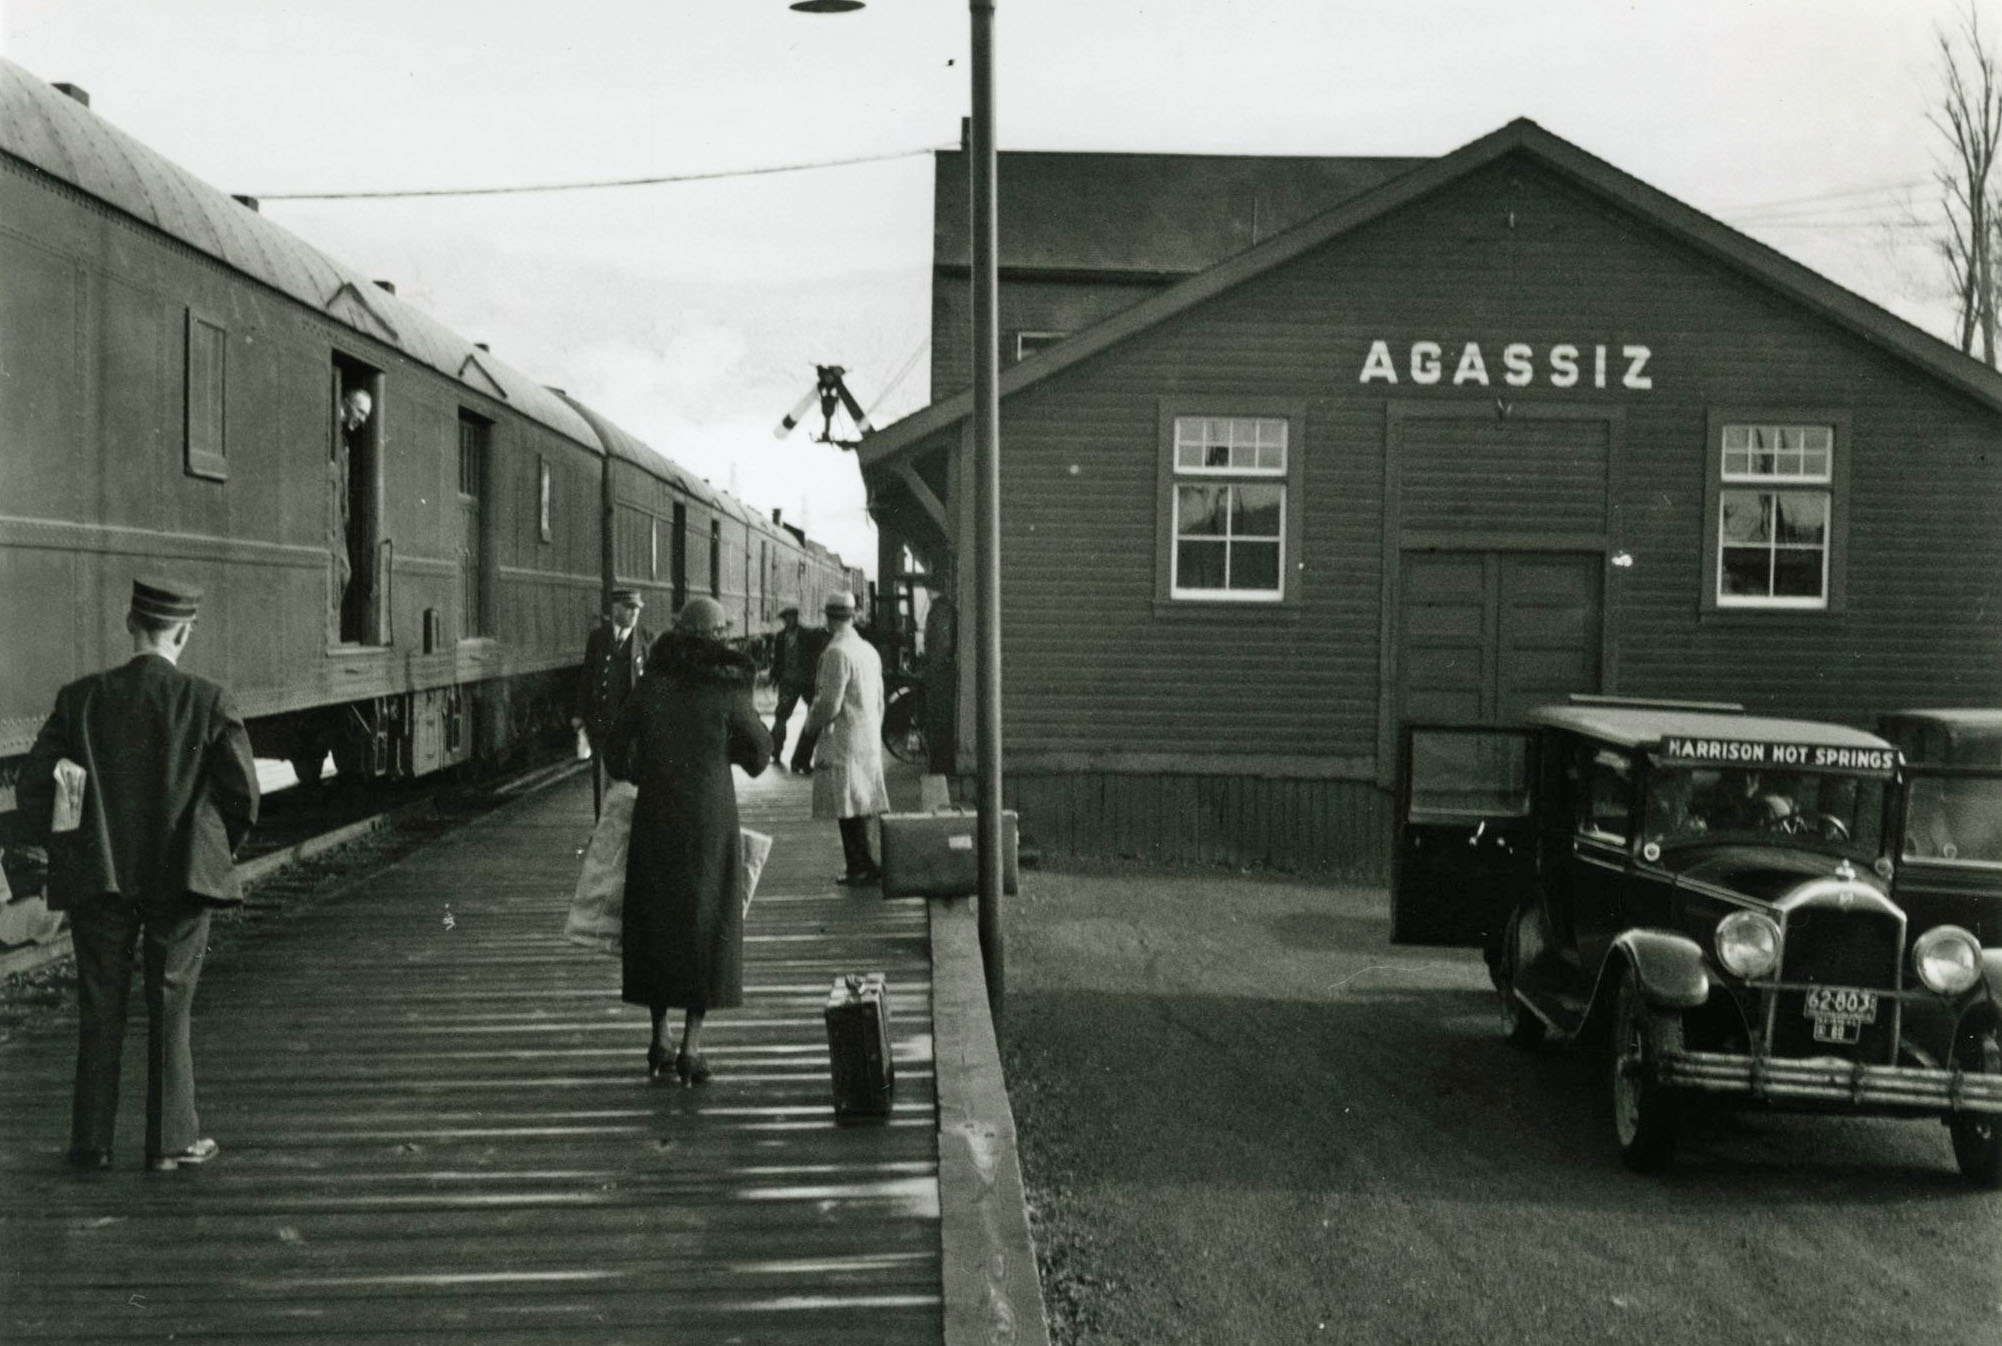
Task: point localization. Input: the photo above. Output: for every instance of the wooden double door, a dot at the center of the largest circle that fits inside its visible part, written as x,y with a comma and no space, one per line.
1484,635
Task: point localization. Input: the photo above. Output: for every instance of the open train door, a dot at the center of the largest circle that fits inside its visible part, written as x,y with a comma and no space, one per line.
1464,850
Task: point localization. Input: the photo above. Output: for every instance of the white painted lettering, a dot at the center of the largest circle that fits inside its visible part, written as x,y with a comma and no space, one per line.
1425,362
1472,368
1517,359
1377,365
1598,366
1636,357
1563,366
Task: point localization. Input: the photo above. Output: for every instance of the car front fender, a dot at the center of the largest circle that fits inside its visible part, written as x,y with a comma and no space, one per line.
1670,967
1991,974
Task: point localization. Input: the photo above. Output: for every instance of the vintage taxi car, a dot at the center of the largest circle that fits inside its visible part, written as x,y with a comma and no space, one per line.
1717,898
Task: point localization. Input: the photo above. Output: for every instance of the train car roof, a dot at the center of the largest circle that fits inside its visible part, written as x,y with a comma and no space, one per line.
60,136
627,447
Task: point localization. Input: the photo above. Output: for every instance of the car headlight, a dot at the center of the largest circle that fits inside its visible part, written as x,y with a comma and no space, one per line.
1947,959
1748,944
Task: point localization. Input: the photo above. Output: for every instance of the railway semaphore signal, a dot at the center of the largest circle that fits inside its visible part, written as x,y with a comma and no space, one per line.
830,392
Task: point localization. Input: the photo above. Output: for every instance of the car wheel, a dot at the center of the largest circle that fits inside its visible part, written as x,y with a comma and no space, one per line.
1646,1113
1977,1136
1520,1026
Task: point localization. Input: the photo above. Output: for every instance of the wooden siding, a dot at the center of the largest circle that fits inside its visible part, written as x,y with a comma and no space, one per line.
1511,253
1025,306
1093,665
1334,828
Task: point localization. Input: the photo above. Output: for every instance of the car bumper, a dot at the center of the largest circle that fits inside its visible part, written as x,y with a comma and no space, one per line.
1832,1081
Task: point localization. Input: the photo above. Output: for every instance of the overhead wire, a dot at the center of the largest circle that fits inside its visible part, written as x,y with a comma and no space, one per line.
595,184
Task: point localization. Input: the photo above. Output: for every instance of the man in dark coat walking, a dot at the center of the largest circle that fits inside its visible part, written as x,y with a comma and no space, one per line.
677,737
143,781
795,651
614,656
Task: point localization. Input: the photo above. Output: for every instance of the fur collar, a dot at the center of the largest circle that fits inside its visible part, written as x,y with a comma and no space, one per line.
699,659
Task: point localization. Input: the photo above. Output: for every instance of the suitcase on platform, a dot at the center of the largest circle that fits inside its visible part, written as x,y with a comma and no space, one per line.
937,854
858,1045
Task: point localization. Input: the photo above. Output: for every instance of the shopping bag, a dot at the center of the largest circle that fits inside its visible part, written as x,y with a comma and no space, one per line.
599,902
757,846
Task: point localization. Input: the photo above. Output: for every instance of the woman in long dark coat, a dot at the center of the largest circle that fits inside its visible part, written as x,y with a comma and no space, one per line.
687,721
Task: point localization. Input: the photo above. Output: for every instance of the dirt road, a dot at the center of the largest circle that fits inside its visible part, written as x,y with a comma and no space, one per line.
1245,1117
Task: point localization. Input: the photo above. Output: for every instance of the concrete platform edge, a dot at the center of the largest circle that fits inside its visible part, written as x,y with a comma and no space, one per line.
992,1294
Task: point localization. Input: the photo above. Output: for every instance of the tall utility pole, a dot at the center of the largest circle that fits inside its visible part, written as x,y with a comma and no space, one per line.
987,497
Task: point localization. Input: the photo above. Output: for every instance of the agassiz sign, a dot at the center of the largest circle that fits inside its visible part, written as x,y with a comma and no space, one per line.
1563,365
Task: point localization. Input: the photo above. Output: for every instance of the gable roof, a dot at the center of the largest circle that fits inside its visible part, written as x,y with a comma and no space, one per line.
1811,290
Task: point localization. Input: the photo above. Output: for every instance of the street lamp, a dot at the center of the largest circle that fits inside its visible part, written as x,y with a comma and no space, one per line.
987,480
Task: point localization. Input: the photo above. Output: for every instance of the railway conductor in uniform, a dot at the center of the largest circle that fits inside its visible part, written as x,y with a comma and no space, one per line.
143,781
614,657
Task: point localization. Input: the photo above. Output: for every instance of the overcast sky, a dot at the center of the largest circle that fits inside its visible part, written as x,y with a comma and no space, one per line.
693,313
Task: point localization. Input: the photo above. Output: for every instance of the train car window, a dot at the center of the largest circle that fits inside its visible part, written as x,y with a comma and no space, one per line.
715,558
653,549
475,437
542,494
678,556
206,443
359,601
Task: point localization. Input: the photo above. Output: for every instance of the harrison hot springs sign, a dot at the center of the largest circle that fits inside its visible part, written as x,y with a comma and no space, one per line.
1561,366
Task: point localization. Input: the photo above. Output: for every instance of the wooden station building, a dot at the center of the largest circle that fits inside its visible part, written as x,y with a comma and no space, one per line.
1294,451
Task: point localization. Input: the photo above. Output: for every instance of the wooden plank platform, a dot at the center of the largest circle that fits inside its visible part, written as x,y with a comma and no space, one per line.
436,1126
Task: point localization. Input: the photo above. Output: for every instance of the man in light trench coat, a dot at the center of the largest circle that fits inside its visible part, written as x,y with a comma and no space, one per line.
847,716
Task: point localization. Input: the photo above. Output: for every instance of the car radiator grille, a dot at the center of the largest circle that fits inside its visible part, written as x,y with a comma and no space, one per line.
1842,948
1839,948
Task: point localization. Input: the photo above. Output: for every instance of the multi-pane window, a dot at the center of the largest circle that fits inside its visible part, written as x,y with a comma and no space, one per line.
1229,524
1774,506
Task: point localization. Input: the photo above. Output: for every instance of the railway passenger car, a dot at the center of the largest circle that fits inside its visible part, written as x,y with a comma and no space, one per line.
406,589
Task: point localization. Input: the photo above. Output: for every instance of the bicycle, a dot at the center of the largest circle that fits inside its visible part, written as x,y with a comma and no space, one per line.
904,719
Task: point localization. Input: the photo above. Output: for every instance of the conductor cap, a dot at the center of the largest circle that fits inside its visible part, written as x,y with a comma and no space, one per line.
628,596
164,599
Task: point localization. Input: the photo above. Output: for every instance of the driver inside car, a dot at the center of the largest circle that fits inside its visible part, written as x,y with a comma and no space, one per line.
1738,801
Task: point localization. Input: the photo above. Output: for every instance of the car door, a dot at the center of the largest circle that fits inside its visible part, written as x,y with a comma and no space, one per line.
1948,830
1464,847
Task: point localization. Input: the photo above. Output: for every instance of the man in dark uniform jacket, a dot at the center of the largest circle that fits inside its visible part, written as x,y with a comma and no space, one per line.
614,655
143,781
795,652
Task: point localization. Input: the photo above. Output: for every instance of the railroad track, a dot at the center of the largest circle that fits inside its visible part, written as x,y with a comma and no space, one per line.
304,835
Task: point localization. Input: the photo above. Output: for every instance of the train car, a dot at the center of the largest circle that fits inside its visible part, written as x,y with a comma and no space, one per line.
404,540
401,588
675,537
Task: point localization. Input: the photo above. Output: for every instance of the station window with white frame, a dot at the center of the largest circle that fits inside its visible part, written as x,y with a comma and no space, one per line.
1229,524
1774,507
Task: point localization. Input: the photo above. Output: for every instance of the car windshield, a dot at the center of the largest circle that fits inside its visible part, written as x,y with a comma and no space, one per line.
1817,810
1954,819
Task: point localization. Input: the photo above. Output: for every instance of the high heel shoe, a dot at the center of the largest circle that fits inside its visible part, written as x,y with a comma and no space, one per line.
658,1061
691,1068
